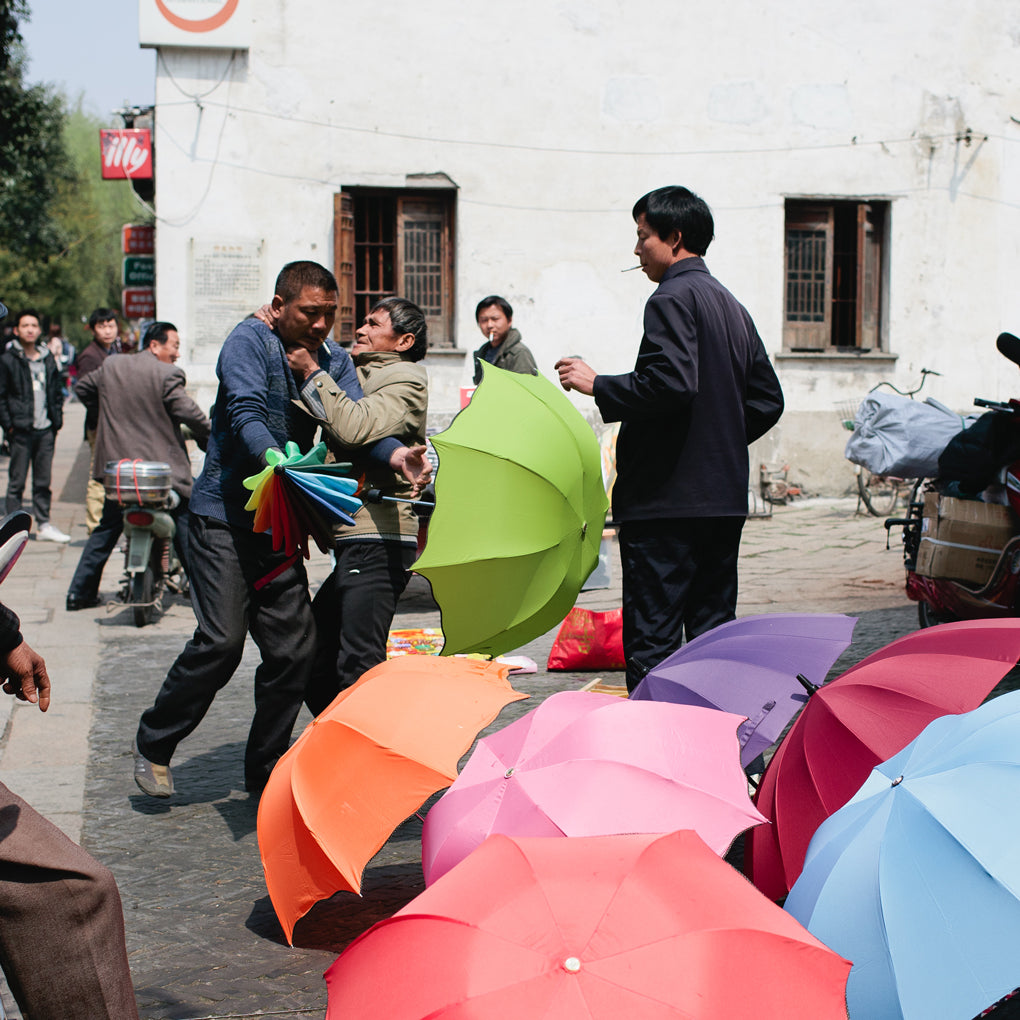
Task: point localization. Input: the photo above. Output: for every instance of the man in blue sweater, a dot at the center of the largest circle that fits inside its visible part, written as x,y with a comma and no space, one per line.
238,582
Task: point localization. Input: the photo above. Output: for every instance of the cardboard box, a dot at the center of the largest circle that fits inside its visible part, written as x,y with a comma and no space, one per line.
962,538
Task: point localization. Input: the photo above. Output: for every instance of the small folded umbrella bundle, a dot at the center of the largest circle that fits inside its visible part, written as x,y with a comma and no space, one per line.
917,878
363,765
639,926
752,667
585,764
298,496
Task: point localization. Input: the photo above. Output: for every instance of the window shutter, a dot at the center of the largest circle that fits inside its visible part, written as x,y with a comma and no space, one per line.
809,254
343,261
870,230
424,262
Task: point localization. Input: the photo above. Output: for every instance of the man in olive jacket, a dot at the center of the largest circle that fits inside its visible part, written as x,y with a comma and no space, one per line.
355,605
503,346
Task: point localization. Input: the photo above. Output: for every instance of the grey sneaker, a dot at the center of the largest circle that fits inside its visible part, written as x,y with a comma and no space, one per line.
155,780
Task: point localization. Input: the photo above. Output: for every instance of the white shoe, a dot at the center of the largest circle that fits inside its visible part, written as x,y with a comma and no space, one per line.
49,533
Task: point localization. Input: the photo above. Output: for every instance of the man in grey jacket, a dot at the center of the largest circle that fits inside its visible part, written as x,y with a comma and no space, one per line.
142,404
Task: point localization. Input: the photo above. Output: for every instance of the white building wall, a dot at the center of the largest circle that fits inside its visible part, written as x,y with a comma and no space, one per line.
553,117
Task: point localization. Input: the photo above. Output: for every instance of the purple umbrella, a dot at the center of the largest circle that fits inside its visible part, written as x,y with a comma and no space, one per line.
762,667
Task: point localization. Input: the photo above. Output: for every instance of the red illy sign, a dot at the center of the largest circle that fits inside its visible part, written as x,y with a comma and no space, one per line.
126,152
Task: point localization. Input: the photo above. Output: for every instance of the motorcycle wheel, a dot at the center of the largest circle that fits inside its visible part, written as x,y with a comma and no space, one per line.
143,589
929,616
878,492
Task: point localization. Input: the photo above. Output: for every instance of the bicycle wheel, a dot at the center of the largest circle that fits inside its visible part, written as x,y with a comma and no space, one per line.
879,493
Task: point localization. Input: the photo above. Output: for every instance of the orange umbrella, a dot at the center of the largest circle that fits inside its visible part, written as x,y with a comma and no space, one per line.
361,767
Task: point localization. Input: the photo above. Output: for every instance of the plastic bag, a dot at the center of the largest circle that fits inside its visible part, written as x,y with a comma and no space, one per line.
589,640
894,435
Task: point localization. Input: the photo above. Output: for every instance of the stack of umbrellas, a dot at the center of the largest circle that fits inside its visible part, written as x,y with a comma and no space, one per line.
298,497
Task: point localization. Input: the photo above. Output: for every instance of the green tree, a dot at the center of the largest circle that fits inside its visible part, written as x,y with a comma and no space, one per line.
60,222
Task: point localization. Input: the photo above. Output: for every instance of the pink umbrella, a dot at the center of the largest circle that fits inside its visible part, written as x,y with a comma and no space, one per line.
584,764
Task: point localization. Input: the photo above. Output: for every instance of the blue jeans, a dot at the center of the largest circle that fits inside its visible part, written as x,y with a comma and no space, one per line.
31,448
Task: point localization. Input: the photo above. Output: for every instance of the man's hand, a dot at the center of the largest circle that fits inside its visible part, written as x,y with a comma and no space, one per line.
412,463
267,315
302,362
26,675
576,375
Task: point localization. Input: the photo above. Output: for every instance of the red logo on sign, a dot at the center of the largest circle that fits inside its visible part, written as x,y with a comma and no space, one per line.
139,303
126,152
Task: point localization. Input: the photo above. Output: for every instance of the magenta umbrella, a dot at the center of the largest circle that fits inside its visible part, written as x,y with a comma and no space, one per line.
585,764
761,667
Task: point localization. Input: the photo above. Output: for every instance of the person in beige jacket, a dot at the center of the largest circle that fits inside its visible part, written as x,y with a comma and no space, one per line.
354,607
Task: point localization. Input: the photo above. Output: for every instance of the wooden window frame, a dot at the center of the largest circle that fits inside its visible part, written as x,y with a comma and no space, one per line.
394,257
846,316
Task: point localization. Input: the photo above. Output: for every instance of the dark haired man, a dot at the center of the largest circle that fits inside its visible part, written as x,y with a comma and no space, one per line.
31,415
354,607
141,403
701,391
105,329
503,347
238,582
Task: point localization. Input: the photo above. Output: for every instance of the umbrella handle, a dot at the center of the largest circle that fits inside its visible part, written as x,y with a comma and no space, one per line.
807,684
375,496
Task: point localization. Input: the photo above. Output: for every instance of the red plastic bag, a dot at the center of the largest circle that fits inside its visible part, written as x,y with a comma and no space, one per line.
589,640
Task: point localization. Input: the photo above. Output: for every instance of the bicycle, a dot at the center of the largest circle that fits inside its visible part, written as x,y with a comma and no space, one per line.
880,493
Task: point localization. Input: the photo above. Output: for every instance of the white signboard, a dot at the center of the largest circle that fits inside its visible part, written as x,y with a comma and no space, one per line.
225,24
227,284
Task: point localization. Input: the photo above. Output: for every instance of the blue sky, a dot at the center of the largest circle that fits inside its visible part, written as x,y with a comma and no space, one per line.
91,49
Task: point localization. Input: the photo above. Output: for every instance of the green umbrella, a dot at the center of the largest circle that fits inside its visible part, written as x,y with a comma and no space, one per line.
520,508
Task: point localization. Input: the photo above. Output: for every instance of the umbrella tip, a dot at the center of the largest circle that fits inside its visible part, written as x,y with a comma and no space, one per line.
807,684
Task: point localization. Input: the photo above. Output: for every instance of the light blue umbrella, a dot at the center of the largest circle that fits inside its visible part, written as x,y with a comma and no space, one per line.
917,878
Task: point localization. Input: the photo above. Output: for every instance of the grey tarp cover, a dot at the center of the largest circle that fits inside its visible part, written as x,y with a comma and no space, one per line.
894,435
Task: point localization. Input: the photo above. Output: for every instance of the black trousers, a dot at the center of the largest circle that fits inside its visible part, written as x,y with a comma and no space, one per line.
102,541
31,448
679,577
238,584
353,611
62,933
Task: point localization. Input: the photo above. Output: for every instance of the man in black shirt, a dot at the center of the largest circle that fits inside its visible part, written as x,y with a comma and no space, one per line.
701,391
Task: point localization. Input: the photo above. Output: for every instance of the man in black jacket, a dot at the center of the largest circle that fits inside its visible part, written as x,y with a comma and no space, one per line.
31,414
701,391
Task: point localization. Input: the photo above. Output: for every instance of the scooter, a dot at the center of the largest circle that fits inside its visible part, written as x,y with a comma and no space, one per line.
151,566
942,600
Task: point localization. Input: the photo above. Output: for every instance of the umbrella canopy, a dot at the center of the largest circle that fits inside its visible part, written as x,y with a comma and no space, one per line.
861,718
750,667
363,765
520,508
917,878
637,926
585,764
14,529
298,496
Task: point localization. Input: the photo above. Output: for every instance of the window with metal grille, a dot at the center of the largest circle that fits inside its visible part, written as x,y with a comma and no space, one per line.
834,275
395,242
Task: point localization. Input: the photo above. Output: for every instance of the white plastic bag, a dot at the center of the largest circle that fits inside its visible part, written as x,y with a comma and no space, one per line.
894,435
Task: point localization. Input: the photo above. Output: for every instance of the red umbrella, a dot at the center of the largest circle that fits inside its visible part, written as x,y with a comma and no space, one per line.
860,719
646,927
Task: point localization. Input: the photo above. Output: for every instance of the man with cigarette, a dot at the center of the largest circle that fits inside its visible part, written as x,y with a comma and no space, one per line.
702,390
503,347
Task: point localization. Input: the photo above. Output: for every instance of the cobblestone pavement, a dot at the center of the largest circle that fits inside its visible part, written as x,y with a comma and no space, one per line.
203,940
